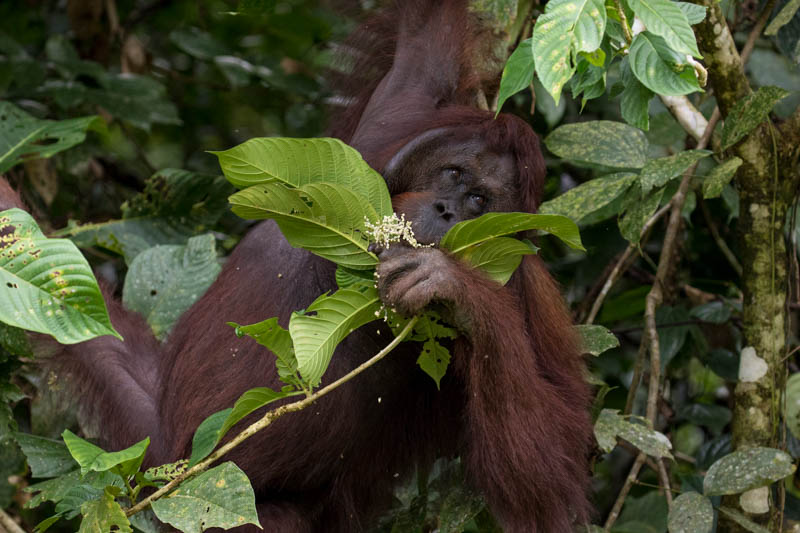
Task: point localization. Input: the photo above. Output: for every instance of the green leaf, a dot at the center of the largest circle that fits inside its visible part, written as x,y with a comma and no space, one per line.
721,175
325,323
250,401
491,225
346,277
207,436
325,219
298,162
93,458
748,469
634,219
198,43
748,113
783,17
635,100
46,457
140,100
433,360
174,205
164,281
742,520
518,72
104,515
46,285
664,18
600,142
793,404
695,13
566,28
590,197
714,312
657,172
498,258
221,497
596,339
652,63
273,337
610,425
23,136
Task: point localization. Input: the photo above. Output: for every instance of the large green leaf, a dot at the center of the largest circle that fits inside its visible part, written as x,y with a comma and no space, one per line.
634,219
323,218
634,102
46,457
298,162
221,497
174,205
665,18
610,425
325,323
518,72
596,339
657,172
104,515
748,469
491,225
248,402
23,136
749,113
695,14
92,458
721,175
600,142
164,281
691,512
655,64
497,258
273,337
566,28
587,198
207,435
46,285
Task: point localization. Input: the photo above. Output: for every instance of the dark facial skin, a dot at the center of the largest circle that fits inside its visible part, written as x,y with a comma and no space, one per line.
451,181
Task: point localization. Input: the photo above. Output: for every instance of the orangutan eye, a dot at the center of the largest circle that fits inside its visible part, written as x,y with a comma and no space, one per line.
477,199
452,173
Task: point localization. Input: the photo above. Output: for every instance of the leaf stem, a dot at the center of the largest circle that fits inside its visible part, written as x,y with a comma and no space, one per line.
268,418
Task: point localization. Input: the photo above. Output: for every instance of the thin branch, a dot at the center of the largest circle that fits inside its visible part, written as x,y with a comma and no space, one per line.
267,419
8,523
721,244
687,115
620,267
755,33
629,481
664,476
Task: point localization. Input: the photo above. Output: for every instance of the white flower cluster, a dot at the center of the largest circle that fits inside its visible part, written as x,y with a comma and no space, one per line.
391,229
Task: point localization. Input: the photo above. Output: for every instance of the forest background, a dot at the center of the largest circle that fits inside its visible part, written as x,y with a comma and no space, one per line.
682,177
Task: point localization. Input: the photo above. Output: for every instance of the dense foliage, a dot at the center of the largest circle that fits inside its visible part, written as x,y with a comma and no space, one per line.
117,119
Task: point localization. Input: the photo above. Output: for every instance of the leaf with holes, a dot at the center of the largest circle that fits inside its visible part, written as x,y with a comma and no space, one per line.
164,281
221,497
590,197
748,469
269,334
324,218
600,142
517,74
23,136
566,28
659,68
325,323
691,512
749,112
298,162
491,225
46,285
104,514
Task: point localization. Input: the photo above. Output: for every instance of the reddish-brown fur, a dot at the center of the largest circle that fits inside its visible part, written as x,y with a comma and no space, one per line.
514,404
